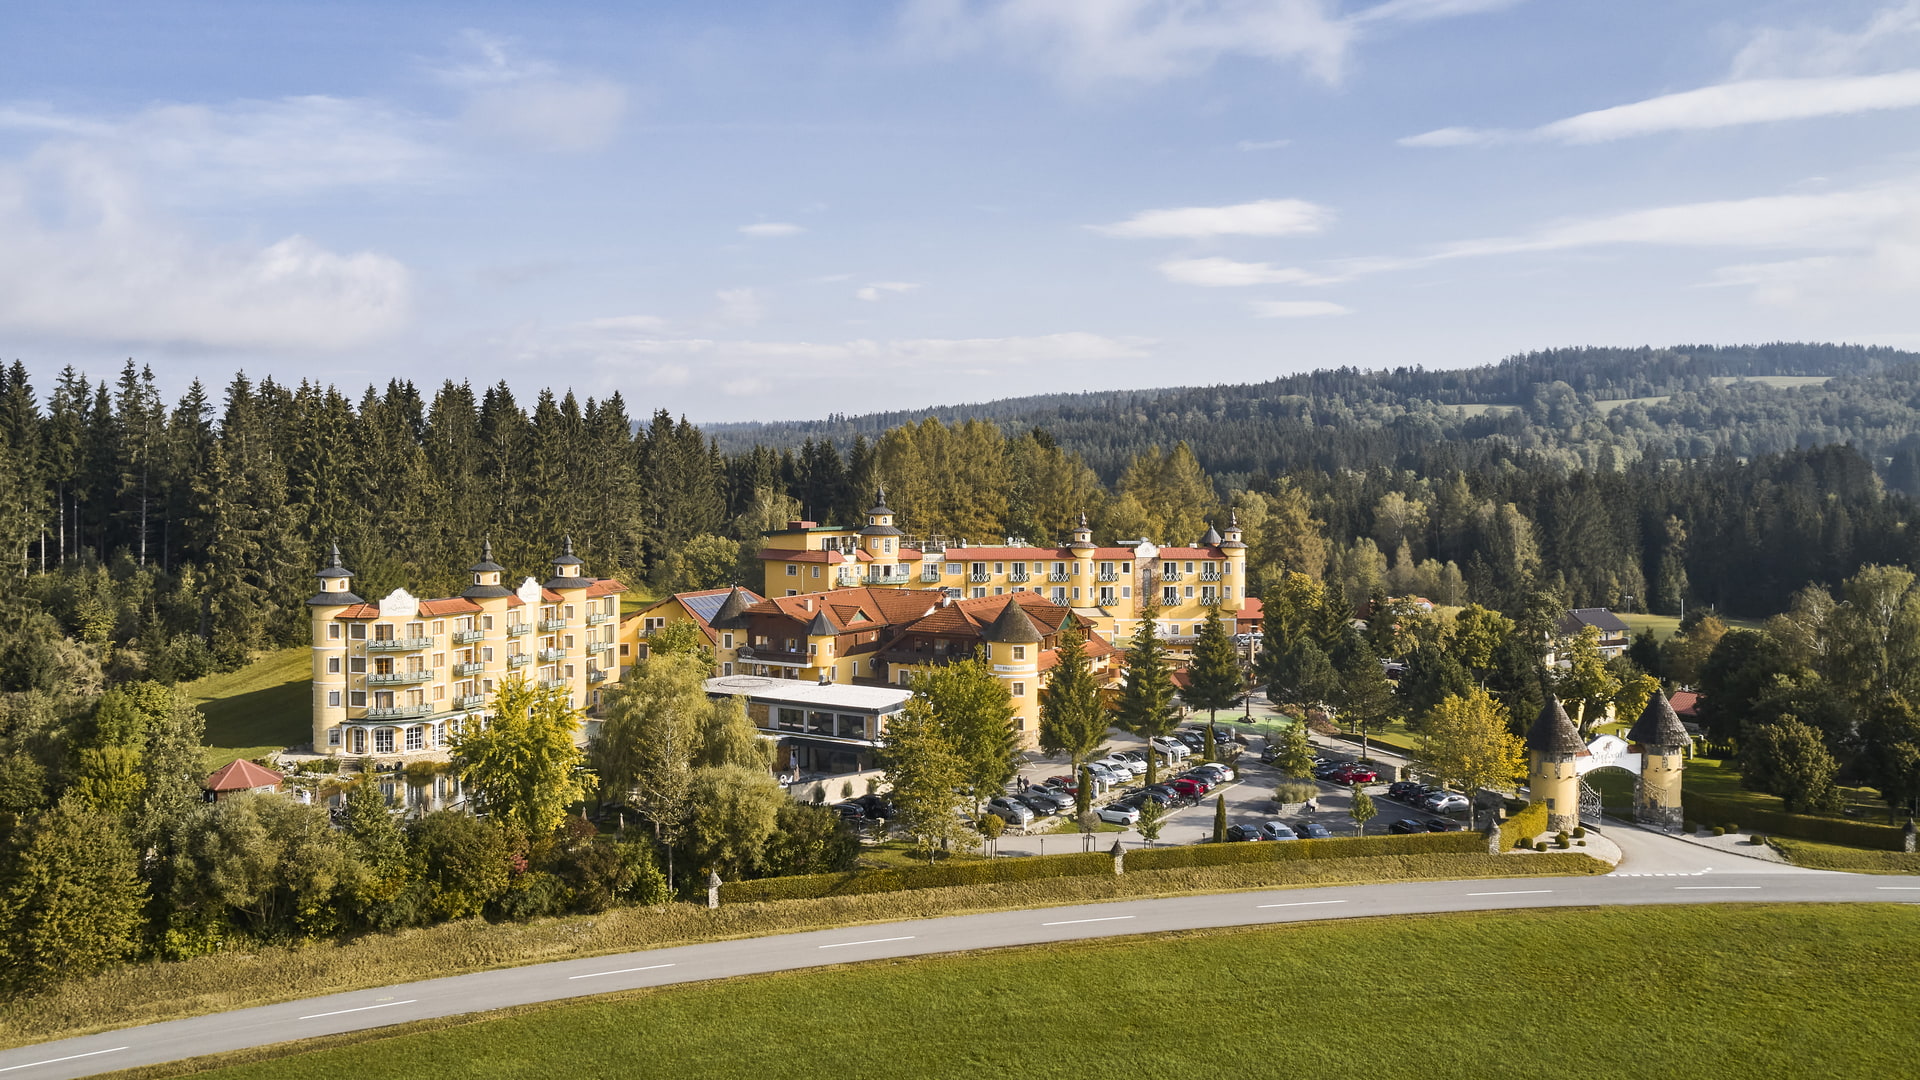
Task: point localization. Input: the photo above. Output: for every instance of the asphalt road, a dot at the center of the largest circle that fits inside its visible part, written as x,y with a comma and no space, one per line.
1720,882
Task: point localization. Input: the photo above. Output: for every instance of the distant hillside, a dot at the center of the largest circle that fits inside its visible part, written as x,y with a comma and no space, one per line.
1683,402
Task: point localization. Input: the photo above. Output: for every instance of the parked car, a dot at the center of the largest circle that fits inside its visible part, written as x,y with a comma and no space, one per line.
1221,736
1141,798
1010,811
1204,781
1134,756
1105,775
1445,802
1068,785
877,806
1354,774
1268,753
1220,772
1435,824
1277,830
851,811
1167,791
1046,801
1244,832
1123,766
1407,791
1325,770
1116,814
1196,741
1189,789
1170,746
1407,825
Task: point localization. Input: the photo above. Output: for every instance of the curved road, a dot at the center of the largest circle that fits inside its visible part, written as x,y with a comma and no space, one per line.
1655,870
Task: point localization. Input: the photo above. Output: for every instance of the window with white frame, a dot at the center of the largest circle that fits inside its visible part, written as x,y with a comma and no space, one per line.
333,699
333,736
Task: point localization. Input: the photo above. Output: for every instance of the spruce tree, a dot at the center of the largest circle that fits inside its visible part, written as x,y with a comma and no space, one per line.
1220,820
1073,719
1145,706
1213,679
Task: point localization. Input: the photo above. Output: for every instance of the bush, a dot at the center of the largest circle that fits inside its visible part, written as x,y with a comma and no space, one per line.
1562,841
1856,834
1529,822
1691,827
1757,839
1718,831
1578,832
1344,847
859,882
1732,827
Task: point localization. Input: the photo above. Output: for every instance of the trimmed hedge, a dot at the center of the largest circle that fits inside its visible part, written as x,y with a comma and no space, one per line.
1857,834
943,875
1339,847
1523,825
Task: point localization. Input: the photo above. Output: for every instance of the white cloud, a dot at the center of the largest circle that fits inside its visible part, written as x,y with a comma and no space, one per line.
1297,309
1268,217
1886,41
1755,101
772,228
1087,42
740,306
249,148
638,324
527,103
84,260
1227,273
879,288
1262,144
1423,10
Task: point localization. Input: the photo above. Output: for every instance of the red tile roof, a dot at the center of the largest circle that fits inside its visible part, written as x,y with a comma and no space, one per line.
452,606
975,554
807,555
1686,704
1113,553
241,775
1192,553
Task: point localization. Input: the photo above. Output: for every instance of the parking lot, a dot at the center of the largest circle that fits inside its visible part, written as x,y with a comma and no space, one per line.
1249,797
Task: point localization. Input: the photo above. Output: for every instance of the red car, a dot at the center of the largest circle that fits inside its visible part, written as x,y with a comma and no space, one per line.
1354,774
1189,788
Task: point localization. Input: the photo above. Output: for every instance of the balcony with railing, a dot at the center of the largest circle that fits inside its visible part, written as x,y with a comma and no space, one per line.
1109,575
470,667
519,660
930,574
519,629
599,646
399,678
403,644
1209,598
555,684
596,676
1209,575
888,576
597,618
767,654
398,712
1059,575
470,701
980,576
1019,577
848,578
467,637
548,626
1106,598
1171,574
549,655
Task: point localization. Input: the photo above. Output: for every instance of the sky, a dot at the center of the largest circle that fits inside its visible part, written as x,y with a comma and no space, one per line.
779,210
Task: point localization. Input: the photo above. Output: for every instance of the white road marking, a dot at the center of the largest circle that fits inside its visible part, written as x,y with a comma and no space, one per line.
1305,903
1898,888
1512,892
619,971
1720,887
69,1057
1073,922
363,1008
869,941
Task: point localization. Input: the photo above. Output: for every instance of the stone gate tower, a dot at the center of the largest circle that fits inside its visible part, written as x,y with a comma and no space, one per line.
1663,746
1552,749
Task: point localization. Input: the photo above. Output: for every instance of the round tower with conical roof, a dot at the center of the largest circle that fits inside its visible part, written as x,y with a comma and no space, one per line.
1662,742
1233,569
330,653
880,539
1013,652
1552,747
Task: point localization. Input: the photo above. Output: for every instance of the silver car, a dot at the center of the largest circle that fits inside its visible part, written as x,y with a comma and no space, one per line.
1116,814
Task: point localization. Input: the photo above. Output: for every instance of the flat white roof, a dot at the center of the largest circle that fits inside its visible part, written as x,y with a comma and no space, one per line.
875,699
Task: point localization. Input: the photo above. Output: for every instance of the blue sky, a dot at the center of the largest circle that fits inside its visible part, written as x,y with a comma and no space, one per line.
777,210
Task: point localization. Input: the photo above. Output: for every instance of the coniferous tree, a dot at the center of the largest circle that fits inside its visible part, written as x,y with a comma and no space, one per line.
1145,705
1073,718
1213,679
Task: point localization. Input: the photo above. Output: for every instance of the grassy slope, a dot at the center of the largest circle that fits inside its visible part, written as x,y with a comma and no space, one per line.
1689,991
1721,780
263,707
1834,857
144,993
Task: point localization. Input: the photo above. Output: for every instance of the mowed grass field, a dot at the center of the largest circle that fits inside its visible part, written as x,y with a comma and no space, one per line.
1710,991
263,707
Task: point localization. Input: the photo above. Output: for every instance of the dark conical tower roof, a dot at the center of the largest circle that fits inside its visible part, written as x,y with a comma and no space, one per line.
1014,626
567,557
1659,725
333,569
486,565
731,615
1552,732
880,501
820,627
1212,539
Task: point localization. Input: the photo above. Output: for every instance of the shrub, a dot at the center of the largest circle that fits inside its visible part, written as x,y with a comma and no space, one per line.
1528,822
1718,831
1732,827
1691,827
1580,843
1857,834
859,882
1579,831
1343,847
1757,839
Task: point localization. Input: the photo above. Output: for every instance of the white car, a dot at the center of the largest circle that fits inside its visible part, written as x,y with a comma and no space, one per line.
1125,766
1171,747
1118,815
1445,802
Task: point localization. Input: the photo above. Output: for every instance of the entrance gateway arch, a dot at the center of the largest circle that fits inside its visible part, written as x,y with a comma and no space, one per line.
1654,751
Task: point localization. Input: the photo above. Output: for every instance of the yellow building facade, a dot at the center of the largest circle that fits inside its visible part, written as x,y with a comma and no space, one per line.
398,676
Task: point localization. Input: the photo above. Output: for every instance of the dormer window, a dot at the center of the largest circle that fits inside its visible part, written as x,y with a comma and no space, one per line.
476,580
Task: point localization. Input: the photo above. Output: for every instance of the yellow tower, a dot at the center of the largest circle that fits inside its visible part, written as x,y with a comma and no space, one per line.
1013,651
881,540
1233,579
1552,746
1663,743
330,654
820,638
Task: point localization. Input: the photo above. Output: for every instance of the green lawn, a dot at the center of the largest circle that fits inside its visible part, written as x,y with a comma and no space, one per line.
1722,990
263,707
1834,857
1721,780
